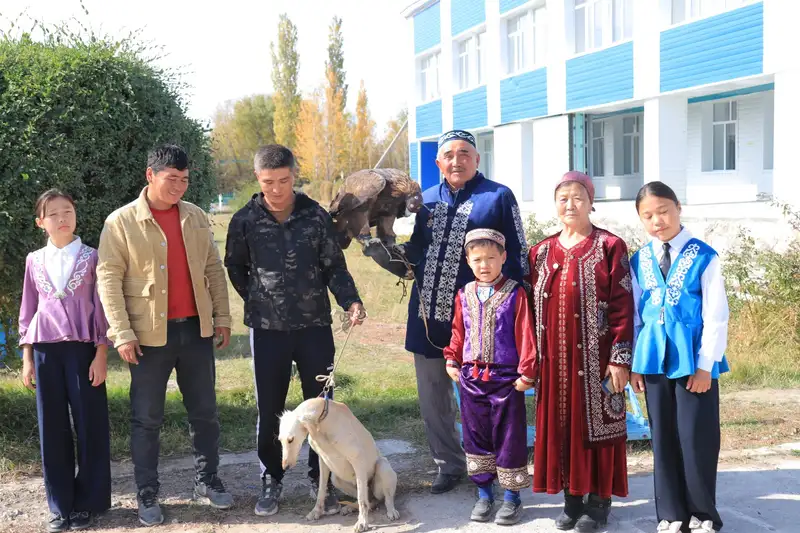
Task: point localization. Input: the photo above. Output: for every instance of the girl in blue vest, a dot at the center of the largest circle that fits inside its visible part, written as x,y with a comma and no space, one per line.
681,328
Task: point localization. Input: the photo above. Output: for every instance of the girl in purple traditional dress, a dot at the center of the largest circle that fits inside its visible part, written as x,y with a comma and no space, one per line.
492,354
62,332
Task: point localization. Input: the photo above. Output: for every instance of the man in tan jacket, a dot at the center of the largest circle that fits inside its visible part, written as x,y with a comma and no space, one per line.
165,295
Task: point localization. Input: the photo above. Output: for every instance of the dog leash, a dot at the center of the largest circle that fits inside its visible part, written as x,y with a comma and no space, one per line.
328,379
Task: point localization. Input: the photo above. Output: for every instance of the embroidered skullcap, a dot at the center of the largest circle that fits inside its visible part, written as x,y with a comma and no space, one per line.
573,176
485,234
459,135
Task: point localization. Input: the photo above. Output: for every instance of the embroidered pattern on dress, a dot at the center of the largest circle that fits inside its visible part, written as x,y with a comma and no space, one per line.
39,273
452,261
481,464
594,397
542,271
523,243
513,478
650,282
614,404
484,319
675,283
621,353
602,318
81,267
439,221
626,282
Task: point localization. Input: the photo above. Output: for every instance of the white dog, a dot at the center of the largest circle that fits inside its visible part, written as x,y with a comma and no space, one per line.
347,452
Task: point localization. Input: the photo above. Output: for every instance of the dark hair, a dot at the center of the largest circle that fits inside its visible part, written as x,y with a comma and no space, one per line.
167,156
657,189
483,242
46,196
273,156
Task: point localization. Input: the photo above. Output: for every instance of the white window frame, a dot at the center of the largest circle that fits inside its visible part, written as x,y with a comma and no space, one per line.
733,119
615,19
595,141
470,54
698,9
429,77
528,40
629,140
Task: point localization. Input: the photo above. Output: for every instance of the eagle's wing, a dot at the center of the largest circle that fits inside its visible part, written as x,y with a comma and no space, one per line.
357,189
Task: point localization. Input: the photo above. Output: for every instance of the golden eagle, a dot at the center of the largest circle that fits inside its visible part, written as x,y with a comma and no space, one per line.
373,197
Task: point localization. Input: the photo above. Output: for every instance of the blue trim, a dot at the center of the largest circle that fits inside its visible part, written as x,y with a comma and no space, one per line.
470,110
719,48
523,96
628,111
429,172
737,92
429,119
413,160
508,5
427,28
466,14
600,77
579,162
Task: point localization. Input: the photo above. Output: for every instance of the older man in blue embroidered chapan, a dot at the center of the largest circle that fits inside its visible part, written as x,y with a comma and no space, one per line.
463,201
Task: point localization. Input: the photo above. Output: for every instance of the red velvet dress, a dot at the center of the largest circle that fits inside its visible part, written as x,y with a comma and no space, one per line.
583,321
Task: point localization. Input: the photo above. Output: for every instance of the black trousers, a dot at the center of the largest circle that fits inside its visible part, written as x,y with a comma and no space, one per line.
192,357
686,441
62,385
273,352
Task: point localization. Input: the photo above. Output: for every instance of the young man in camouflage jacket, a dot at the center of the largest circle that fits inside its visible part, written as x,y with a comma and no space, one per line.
282,256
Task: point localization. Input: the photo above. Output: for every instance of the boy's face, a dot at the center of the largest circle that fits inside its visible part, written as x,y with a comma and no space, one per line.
486,262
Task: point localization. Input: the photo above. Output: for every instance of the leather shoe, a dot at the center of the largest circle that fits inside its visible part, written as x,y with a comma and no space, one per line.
444,483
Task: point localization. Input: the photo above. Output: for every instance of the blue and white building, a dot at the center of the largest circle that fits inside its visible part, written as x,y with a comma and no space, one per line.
696,93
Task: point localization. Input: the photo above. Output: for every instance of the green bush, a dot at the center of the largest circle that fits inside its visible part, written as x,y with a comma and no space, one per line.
80,113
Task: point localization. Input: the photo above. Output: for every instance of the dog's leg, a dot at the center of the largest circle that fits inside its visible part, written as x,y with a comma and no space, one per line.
319,509
385,486
362,482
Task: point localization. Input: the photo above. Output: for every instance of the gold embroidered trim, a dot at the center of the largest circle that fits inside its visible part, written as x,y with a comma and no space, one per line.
481,464
484,319
514,478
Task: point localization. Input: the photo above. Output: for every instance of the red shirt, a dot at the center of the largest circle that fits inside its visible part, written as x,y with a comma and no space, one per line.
180,294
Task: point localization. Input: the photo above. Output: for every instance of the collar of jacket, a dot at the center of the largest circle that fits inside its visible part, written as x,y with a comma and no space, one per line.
302,203
143,211
467,188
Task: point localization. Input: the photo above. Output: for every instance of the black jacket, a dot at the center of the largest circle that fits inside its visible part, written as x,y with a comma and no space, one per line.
283,271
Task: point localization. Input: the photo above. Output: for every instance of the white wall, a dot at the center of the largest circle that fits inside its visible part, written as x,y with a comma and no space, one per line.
550,161
513,158
446,67
749,178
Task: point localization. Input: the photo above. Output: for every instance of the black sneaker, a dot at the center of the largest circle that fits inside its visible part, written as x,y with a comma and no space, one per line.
508,514
211,489
267,504
80,520
57,523
332,505
482,511
149,509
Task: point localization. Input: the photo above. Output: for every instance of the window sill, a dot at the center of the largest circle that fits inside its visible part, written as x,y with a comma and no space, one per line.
719,172
704,17
521,72
468,89
595,50
423,102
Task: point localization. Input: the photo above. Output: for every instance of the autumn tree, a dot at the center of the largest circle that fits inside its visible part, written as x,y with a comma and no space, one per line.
285,67
398,155
336,136
335,60
362,139
310,138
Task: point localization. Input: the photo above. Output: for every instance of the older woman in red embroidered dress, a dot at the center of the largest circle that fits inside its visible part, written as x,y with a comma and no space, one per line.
583,326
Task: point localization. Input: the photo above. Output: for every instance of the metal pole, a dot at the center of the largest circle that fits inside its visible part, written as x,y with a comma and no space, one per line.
397,136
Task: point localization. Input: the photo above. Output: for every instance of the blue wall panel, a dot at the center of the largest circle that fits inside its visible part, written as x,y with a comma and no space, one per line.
413,160
523,96
466,14
600,77
508,5
727,46
469,109
429,119
427,28
427,164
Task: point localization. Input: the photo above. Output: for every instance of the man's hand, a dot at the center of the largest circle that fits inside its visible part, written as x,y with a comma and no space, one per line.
357,314
453,372
521,385
223,337
129,351
619,377
637,382
700,382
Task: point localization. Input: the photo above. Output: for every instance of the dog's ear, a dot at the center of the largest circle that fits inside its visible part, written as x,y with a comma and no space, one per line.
309,418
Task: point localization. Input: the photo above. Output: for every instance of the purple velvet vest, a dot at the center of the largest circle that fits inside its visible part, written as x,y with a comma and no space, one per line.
489,326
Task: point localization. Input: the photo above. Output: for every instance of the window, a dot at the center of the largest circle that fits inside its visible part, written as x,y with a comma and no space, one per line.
723,136
429,77
598,149
683,10
471,62
631,145
600,23
526,40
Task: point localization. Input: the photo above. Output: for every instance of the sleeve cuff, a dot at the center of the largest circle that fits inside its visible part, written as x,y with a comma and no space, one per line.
452,363
222,321
124,337
527,380
705,363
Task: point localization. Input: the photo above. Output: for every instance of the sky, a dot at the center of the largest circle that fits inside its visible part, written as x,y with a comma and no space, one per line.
222,48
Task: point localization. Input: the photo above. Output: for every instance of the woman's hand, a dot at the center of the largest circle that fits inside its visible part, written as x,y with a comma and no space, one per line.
99,367
28,368
700,382
619,377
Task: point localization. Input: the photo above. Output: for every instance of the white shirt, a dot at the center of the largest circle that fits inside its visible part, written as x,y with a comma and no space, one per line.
715,313
59,262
